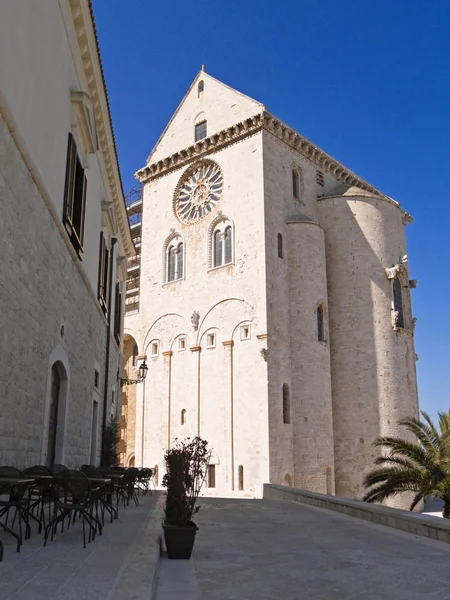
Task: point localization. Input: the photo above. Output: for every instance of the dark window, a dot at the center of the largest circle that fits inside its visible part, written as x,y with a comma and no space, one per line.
118,314
200,131
319,178
320,324
227,243
171,264
398,304
241,478
103,271
295,184
201,88
74,197
280,246
175,258
183,416
96,378
286,404
211,476
179,253
218,248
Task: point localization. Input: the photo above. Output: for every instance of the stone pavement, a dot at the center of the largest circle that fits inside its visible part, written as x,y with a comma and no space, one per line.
119,565
272,549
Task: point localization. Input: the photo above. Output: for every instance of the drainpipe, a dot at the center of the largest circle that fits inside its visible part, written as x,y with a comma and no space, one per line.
108,343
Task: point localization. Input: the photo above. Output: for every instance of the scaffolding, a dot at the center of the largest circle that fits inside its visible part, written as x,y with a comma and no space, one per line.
133,202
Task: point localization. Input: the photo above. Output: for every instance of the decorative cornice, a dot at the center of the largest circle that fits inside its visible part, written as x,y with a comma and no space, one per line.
262,336
195,348
83,20
228,343
167,353
262,121
209,145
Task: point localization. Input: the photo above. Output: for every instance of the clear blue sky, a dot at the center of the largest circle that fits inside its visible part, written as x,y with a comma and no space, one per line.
366,81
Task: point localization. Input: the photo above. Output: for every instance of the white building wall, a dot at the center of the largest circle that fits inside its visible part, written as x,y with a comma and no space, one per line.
225,298
45,287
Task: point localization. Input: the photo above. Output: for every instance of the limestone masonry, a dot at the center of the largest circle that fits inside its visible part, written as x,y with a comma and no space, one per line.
274,304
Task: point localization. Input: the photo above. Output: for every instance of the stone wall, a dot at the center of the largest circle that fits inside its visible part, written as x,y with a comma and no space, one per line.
42,292
373,365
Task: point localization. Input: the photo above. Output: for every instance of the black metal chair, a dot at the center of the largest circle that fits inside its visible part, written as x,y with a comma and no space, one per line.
16,500
55,469
40,493
73,495
107,491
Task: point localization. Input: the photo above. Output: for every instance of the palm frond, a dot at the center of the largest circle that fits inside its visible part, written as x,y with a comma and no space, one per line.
423,433
417,498
444,422
395,460
408,449
394,476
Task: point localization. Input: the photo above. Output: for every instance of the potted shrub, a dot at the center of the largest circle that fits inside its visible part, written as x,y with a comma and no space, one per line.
186,465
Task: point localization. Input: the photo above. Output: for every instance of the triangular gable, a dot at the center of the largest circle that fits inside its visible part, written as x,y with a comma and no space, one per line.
220,105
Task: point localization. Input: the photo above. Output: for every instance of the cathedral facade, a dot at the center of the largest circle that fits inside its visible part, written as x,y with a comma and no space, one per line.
274,302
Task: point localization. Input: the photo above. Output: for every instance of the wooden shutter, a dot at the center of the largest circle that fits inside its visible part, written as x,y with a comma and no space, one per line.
101,260
69,183
117,313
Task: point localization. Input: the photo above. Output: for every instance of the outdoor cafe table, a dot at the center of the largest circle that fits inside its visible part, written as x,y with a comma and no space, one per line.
8,485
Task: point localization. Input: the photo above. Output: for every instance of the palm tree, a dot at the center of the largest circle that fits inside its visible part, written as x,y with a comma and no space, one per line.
421,467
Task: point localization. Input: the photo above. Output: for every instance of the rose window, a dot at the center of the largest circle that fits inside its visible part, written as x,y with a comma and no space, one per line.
198,192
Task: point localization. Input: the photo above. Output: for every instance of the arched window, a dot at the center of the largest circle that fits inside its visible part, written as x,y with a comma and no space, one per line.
218,248
320,324
287,480
171,264
241,478
280,246
227,243
221,243
286,404
179,264
183,417
295,186
399,318
200,88
135,354
174,258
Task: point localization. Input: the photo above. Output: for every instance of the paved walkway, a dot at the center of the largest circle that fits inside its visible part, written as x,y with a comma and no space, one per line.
109,568
271,550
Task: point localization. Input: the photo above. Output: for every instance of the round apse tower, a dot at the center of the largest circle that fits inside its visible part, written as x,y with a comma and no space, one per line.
312,421
373,373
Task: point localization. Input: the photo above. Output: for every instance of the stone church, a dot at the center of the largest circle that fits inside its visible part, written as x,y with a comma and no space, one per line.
274,308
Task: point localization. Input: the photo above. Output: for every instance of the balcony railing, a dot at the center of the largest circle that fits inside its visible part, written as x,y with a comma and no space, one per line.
132,283
132,303
134,261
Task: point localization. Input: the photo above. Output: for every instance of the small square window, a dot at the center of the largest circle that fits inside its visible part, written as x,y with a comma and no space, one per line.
181,343
245,332
200,131
211,340
155,348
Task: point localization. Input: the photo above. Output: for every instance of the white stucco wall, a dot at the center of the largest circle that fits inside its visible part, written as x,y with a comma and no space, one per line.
45,286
